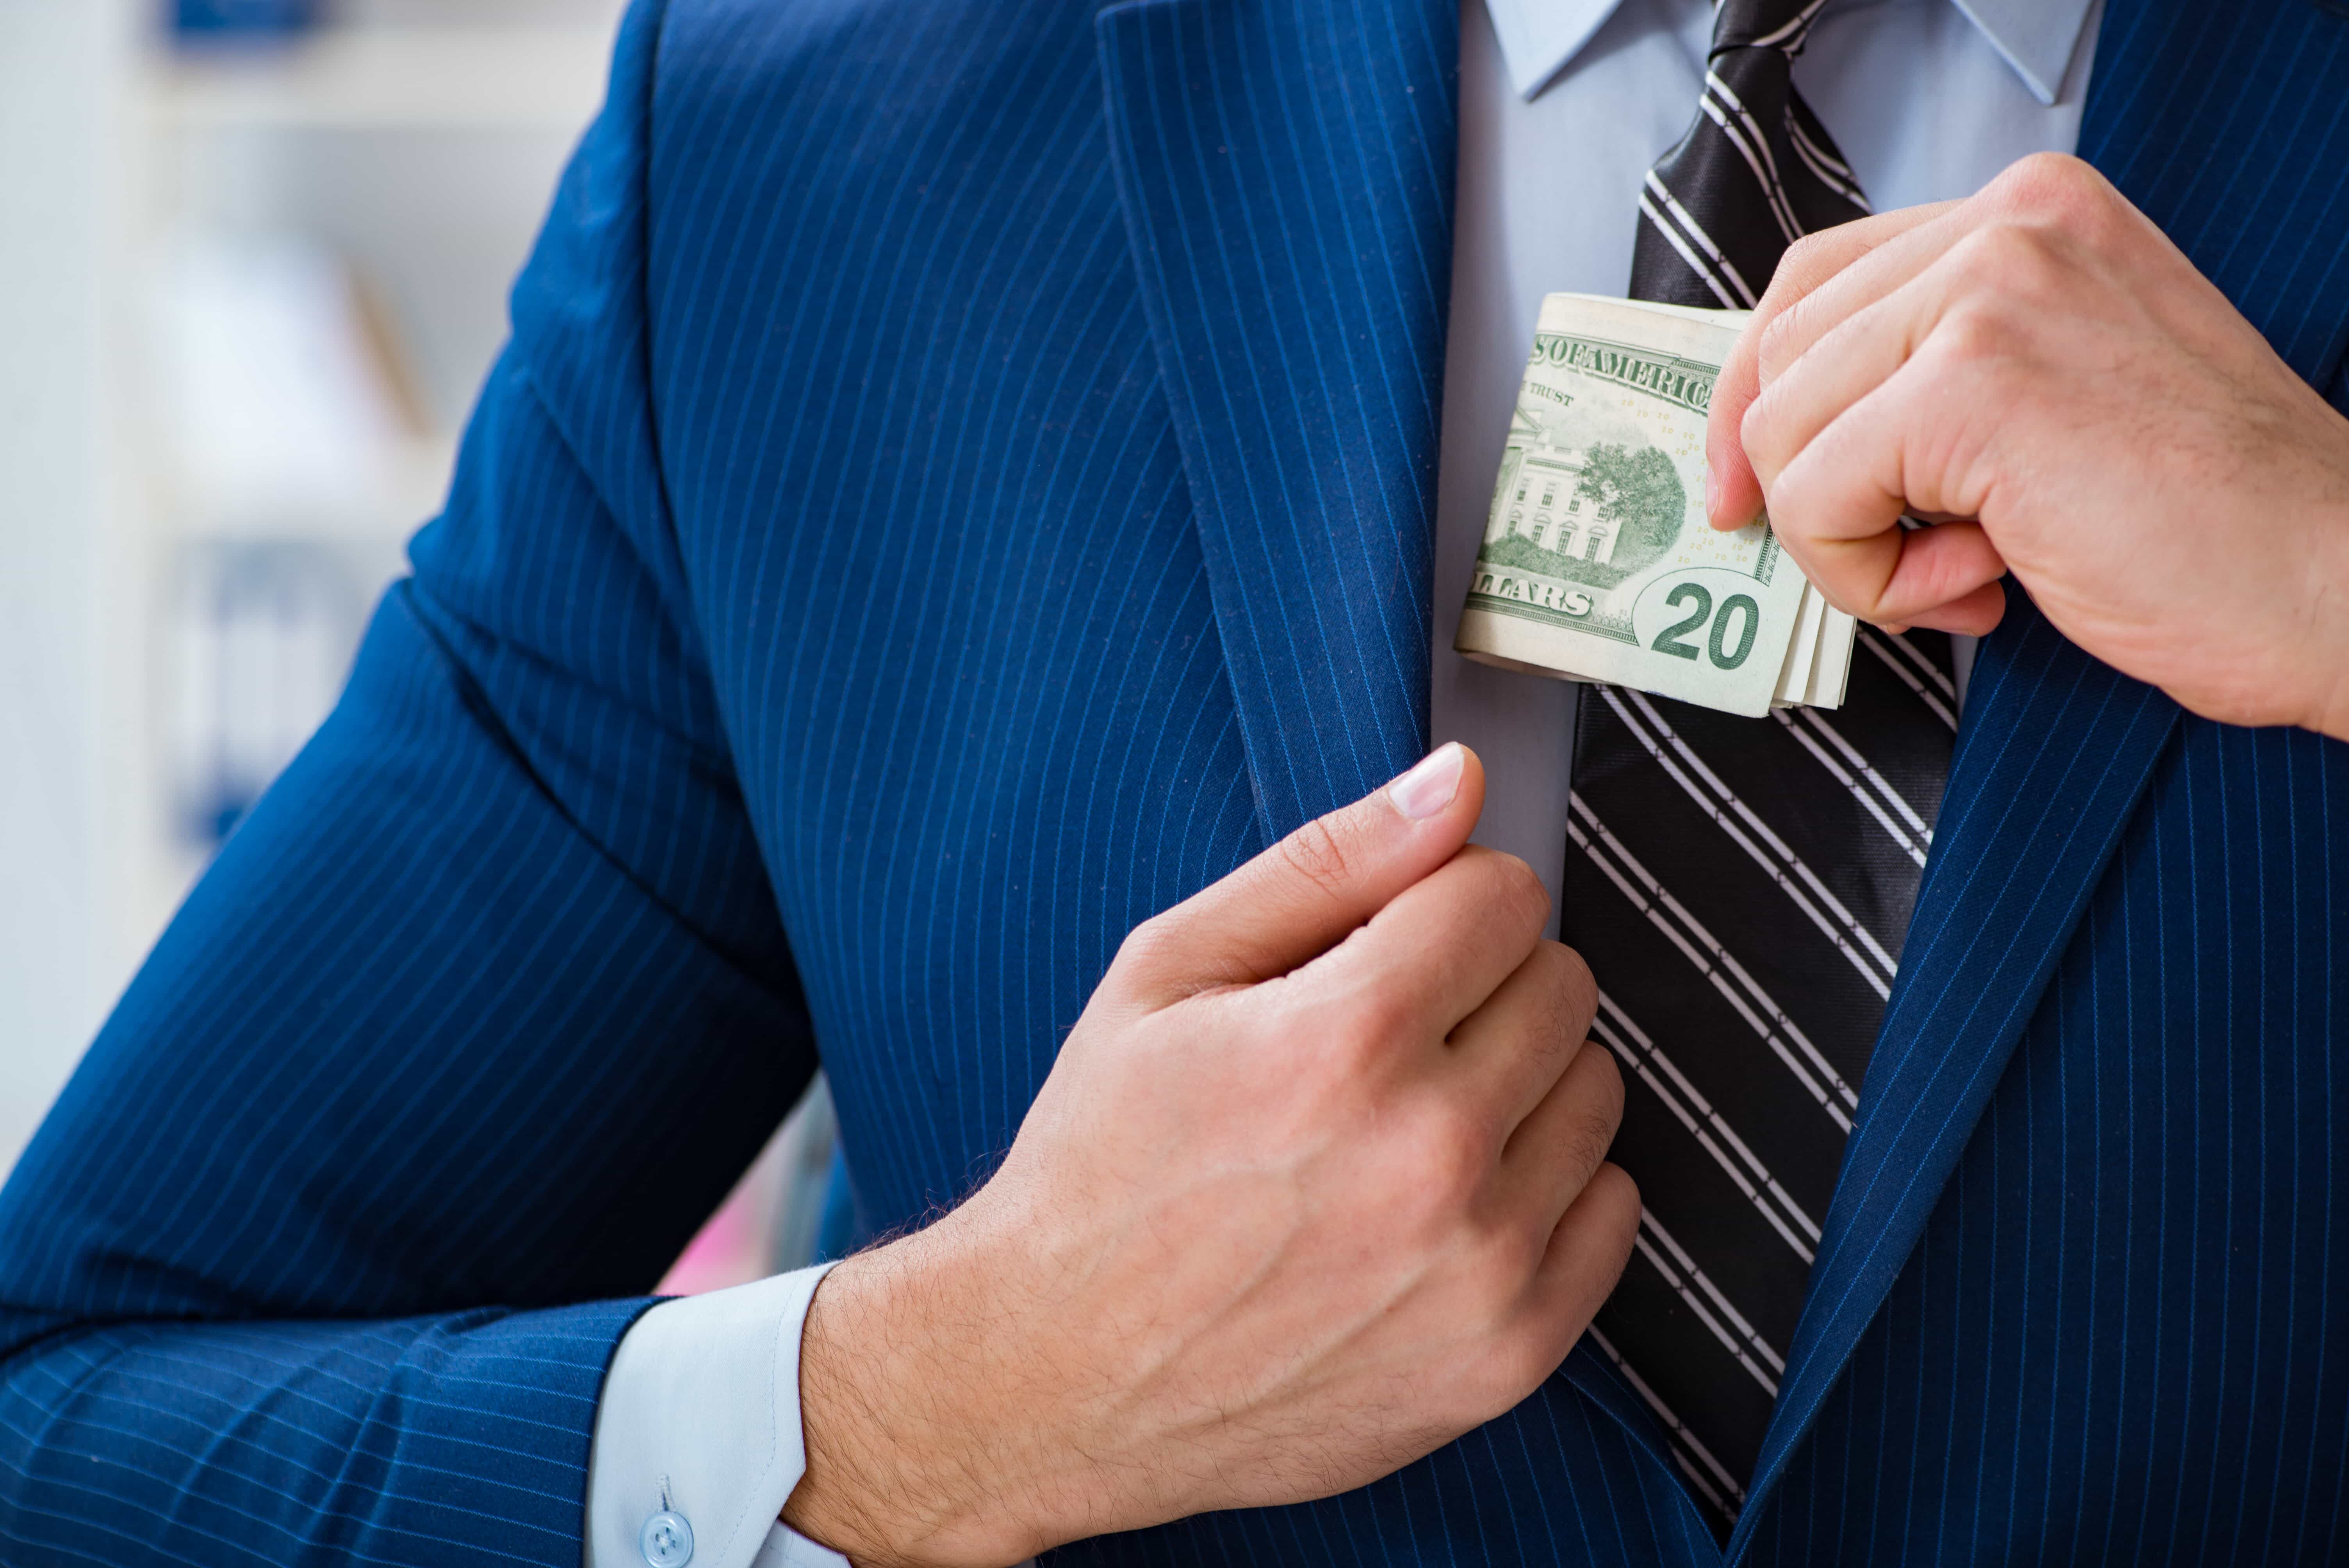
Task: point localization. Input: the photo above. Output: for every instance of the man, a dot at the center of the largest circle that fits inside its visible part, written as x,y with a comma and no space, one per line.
962,486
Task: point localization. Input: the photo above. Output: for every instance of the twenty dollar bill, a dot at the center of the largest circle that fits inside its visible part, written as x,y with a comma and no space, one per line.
1597,562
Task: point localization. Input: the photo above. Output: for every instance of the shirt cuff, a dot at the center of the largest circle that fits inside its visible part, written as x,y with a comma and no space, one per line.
698,1440
787,1548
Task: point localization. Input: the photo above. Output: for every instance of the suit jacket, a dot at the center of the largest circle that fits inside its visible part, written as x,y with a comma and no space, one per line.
961,481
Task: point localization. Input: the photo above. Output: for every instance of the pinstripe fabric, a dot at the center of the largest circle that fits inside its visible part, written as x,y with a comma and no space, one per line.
2139,1261
879,573
1296,277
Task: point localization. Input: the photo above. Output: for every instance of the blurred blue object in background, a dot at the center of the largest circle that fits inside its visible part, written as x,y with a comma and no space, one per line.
842,1230
234,18
265,634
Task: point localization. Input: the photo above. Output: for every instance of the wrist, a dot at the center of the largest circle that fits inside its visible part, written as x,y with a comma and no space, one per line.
919,1452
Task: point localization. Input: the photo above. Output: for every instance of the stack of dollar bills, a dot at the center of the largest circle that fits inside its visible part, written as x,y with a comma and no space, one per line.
1597,562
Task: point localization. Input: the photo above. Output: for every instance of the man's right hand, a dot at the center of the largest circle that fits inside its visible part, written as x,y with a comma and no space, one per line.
1315,1186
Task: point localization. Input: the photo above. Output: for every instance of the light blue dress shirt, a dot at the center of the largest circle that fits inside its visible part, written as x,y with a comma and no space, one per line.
1564,105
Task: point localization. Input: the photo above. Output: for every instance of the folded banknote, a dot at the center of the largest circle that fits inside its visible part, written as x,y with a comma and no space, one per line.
1597,563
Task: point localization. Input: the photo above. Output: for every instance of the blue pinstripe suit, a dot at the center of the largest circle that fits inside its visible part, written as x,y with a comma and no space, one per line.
961,481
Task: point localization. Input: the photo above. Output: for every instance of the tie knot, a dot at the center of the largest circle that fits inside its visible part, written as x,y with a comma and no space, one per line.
1779,24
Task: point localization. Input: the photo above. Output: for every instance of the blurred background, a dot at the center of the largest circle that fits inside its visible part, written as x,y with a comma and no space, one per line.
254,263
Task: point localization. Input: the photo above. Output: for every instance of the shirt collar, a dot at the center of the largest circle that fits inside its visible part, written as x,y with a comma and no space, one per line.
2036,37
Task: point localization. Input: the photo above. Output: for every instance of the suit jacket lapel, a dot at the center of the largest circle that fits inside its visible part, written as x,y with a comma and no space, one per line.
1285,172
2057,747
1287,178
2055,751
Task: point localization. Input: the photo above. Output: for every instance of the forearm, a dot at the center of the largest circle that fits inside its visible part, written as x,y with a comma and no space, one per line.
415,1053
450,1439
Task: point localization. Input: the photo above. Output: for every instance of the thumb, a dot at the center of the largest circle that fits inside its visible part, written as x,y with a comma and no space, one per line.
1308,892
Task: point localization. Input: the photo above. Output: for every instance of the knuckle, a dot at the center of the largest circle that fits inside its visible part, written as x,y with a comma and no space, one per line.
1507,1250
1590,1132
2051,178
1373,1017
1557,1022
1757,432
2064,192
1601,1081
1972,333
1613,1204
1775,345
1503,881
2002,243
2035,263
1502,1264
1806,256
1318,853
1152,953
1767,434
1448,1157
1522,886
1577,988
1147,945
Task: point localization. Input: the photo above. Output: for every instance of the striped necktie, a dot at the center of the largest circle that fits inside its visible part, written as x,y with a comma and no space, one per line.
1741,886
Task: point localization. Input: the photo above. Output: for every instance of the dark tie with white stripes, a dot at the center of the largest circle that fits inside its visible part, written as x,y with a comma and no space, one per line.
1741,886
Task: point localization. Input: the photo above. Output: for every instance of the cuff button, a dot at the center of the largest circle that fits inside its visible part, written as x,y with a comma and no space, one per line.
666,1541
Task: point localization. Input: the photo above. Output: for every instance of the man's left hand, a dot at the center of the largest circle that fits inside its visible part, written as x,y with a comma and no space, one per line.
2040,367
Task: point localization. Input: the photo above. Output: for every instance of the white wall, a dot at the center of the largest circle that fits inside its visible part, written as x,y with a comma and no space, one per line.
63,69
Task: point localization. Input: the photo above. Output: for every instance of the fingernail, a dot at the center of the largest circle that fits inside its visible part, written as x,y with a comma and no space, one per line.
1428,787
1712,496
